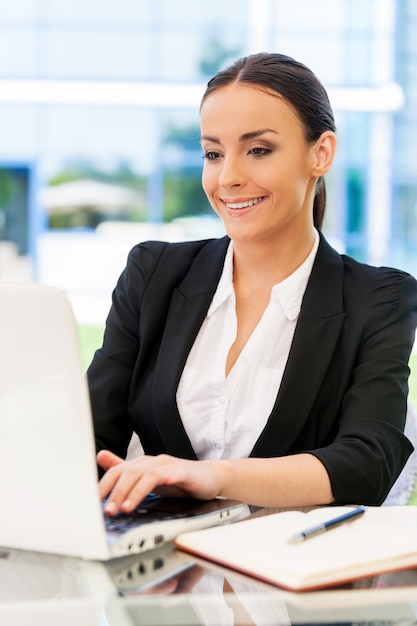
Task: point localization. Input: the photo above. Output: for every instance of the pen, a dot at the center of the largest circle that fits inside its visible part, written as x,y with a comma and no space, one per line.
325,526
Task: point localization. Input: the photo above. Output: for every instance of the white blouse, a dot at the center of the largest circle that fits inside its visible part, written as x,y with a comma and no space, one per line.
224,416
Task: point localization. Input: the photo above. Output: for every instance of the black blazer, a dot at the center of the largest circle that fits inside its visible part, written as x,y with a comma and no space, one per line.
344,391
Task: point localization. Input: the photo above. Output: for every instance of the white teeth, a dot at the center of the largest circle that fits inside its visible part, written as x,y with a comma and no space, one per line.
242,205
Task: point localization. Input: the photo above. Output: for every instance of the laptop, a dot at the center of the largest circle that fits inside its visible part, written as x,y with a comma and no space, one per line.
48,487
136,573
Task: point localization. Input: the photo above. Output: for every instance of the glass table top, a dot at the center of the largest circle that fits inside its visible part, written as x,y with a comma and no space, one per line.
168,587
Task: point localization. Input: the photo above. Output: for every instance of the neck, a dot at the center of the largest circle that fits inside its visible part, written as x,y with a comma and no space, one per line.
270,262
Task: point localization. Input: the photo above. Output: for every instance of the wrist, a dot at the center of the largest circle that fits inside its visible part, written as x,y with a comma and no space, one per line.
223,471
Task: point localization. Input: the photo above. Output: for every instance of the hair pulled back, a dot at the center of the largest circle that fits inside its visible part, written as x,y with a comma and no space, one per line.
299,86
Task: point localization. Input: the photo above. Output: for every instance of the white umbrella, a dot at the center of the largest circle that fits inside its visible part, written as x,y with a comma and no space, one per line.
91,194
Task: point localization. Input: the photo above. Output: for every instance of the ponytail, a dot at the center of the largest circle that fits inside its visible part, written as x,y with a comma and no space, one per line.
319,205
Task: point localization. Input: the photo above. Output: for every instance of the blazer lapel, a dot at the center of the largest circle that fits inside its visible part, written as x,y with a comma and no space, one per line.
189,305
316,335
317,332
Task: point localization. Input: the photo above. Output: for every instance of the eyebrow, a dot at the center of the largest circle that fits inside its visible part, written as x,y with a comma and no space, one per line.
245,137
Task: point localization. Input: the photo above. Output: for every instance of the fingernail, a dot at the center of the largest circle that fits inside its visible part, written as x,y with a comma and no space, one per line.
127,505
110,507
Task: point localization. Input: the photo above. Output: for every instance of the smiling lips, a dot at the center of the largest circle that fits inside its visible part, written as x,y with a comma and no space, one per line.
244,205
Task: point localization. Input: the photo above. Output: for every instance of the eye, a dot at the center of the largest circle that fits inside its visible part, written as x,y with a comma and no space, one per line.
211,155
260,152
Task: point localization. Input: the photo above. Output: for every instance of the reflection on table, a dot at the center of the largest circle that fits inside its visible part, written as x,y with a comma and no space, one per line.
170,587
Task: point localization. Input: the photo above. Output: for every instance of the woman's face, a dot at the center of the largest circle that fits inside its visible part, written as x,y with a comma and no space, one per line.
258,171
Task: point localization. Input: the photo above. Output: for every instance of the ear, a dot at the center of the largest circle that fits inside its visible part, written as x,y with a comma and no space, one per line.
323,153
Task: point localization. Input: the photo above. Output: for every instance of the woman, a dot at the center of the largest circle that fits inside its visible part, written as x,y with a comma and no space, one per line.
262,366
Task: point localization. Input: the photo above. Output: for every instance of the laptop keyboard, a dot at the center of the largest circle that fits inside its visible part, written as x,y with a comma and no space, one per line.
152,509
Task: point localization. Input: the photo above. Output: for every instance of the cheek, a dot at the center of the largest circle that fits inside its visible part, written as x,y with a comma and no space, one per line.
208,182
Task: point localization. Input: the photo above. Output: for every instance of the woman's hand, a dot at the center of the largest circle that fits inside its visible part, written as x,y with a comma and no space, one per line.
129,482
292,481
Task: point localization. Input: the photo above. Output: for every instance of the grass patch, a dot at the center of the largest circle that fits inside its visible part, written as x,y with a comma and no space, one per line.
90,338
413,380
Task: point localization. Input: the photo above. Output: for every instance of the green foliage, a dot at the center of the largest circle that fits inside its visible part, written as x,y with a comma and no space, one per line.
8,187
122,175
184,137
215,55
184,195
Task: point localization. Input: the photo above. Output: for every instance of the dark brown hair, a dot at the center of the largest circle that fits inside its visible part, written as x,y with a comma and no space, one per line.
297,84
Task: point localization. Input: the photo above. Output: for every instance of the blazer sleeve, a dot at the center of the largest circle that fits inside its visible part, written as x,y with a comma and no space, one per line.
110,372
370,449
121,375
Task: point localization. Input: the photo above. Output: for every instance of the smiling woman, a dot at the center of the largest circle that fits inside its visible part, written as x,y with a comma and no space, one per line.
262,366
262,182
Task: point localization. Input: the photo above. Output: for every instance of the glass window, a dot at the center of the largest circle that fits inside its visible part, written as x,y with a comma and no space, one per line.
101,133
207,14
108,53
357,64
311,16
19,9
359,14
314,53
19,126
18,51
188,55
101,11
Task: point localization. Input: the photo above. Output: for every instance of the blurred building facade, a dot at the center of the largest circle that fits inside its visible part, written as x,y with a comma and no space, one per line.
110,90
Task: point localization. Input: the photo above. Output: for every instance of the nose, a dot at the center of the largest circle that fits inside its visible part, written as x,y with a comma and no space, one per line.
232,173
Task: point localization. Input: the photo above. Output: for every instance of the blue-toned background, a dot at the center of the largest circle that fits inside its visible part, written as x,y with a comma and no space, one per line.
99,126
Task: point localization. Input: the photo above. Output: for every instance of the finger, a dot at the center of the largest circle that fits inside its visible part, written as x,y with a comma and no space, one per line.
109,480
132,487
190,577
168,587
107,459
153,476
121,479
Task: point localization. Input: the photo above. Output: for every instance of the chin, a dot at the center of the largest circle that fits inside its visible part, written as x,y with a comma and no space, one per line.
239,236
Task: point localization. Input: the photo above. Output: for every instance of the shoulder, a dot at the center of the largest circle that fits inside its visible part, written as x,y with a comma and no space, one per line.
153,251
387,284
363,277
167,261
